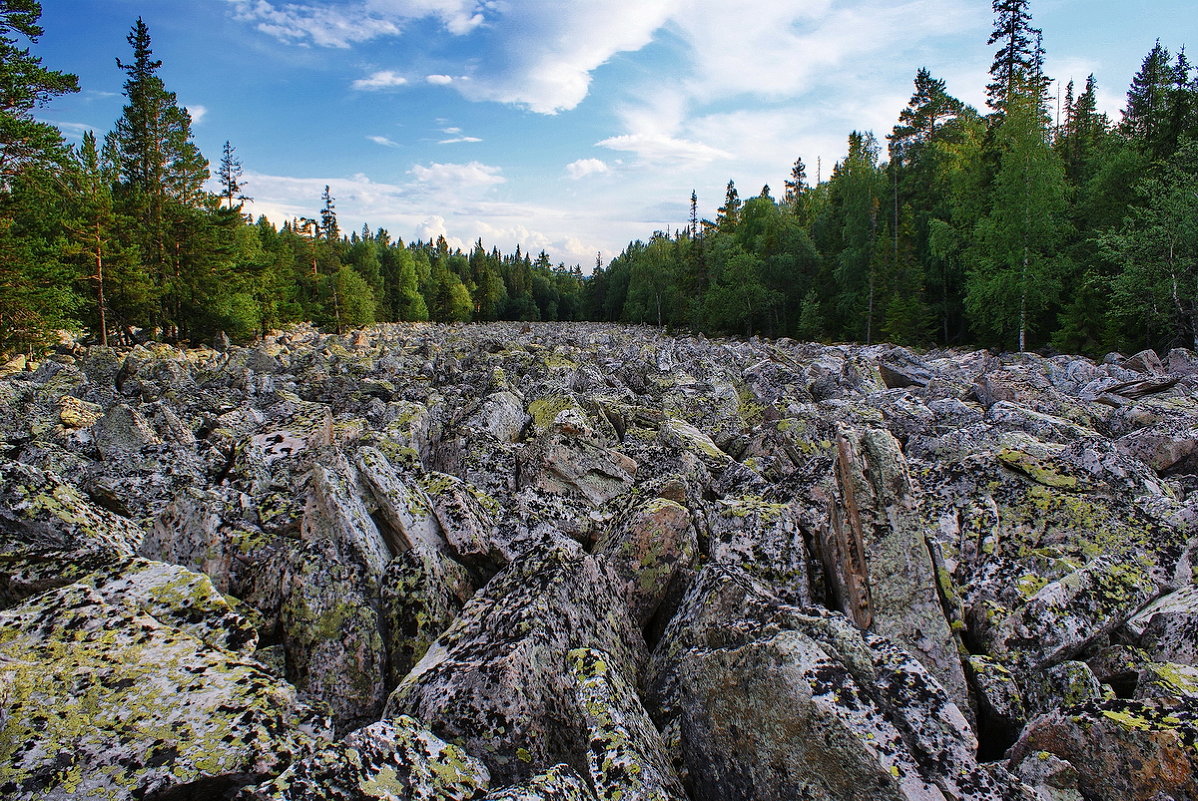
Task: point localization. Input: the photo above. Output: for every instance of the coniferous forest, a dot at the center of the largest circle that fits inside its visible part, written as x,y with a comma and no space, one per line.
1013,226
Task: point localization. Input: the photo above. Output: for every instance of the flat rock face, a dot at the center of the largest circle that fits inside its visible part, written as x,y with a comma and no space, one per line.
584,561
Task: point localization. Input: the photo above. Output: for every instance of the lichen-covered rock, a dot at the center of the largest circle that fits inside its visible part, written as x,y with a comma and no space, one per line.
559,783
568,460
501,415
1051,777
52,533
103,701
422,592
451,510
390,760
876,556
1168,627
647,550
626,755
498,681
191,532
1065,615
764,539
740,682
1123,750
1000,707
178,597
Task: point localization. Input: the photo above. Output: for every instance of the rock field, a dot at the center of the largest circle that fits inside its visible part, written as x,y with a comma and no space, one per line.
600,563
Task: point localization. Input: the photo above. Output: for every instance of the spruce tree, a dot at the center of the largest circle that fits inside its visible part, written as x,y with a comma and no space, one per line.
1144,117
729,213
229,174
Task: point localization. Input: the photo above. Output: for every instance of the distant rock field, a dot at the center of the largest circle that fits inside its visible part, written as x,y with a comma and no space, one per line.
597,563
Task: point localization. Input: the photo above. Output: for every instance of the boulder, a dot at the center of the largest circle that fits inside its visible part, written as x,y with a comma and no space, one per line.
385,760
103,700
498,681
1122,749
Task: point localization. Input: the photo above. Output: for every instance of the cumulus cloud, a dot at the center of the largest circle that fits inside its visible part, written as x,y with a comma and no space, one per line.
438,80
457,179
197,113
383,79
584,167
458,139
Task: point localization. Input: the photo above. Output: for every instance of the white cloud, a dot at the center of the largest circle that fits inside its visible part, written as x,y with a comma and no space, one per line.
458,139
341,26
324,26
438,80
73,130
455,180
584,167
548,50
384,141
383,79
197,113
664,151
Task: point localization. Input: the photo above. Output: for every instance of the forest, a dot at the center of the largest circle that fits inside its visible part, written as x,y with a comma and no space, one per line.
1035,224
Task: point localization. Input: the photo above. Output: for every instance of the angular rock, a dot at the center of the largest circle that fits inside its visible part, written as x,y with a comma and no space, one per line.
626,755
740,682
105,701
647,550
397,759
52,533
1122,750
559,783
876,555
497,680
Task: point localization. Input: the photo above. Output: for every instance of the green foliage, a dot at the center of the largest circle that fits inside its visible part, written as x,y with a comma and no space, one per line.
997,229
1156,294
24,85
1013,268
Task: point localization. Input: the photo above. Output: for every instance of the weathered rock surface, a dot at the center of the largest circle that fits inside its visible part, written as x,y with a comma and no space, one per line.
596,562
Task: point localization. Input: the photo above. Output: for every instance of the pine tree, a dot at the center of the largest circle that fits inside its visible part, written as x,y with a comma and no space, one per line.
34,298
928,109
92,226
1019,59
24,85
162,174
796,188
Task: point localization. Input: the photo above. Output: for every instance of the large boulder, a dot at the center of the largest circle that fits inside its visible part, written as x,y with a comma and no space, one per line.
104,700
1122,750
498,680
765,701
385,760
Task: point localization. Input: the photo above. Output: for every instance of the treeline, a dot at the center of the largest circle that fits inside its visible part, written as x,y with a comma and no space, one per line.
121,238
1022,227
1015,228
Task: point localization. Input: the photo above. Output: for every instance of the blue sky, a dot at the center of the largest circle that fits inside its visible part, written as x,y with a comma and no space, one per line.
572,127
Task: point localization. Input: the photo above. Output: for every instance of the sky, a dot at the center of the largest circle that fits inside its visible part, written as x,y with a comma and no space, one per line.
572,126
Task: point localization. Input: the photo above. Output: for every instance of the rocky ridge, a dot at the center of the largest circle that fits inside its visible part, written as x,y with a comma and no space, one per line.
582,561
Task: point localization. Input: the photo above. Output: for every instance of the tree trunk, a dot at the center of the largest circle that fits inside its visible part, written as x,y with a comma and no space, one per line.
100,288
